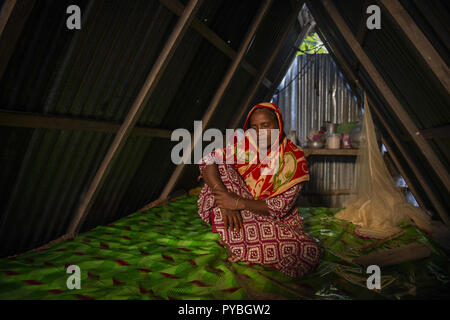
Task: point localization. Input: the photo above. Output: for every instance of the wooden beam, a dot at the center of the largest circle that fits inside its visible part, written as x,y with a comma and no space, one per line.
32,120
292,55
177,8
388,95
399,167
442,132
13,17
384,258
436,133
400,145
419,41
7,8
41,121
362,29
420,177
136,109
220,92
268,63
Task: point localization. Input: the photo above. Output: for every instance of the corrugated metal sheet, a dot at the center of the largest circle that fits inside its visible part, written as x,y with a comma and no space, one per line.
95,73
92,73
405,72
313,92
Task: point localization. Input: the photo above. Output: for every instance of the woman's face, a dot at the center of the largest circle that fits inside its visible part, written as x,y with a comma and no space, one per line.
263,119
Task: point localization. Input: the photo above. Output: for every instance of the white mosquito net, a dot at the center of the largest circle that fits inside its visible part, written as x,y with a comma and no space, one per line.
376,204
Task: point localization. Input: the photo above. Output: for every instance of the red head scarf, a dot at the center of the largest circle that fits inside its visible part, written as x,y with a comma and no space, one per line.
287,159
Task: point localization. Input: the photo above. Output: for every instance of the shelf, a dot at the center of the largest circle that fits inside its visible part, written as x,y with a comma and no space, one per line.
330,152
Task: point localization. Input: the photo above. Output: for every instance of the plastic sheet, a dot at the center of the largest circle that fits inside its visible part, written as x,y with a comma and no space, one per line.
168,252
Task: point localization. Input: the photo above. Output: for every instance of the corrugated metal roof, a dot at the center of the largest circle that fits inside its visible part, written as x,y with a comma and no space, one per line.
95,73
418,90
314,91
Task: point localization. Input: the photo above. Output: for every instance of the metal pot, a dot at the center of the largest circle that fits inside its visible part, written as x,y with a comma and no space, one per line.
315,144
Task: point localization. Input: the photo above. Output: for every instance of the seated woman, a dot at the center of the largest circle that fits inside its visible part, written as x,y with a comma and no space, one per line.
254,212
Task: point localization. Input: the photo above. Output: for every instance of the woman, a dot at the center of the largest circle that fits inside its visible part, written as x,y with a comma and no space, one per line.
254,212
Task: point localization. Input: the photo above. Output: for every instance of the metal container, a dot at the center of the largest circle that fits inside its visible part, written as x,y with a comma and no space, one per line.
315,144
334,141
346,141
355,136
331,127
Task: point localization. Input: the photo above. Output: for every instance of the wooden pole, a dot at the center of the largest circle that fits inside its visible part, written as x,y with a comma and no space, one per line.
439,132
284,69
244,106
420,177
425,185
7,8
34,120
387,94
417,196
13,17
384,258
419,40
361,30
219,93
136,109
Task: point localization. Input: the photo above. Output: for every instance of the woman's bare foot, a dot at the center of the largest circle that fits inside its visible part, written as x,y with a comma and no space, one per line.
231,256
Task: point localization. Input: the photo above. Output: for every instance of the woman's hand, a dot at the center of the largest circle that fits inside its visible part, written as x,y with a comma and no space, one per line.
227,200
232,219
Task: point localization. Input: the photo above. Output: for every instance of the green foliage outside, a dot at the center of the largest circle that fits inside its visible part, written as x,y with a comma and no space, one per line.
312,45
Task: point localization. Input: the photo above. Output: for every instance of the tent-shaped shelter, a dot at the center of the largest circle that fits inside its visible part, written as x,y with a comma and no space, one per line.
87,113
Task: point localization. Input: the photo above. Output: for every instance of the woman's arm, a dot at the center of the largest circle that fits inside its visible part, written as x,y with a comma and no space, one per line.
212,178
231,218
277,206
229,200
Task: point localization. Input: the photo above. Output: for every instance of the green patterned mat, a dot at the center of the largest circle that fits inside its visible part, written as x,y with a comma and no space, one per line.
168,252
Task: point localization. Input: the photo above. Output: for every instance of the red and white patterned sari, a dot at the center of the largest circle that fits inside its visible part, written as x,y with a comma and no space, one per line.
277,240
